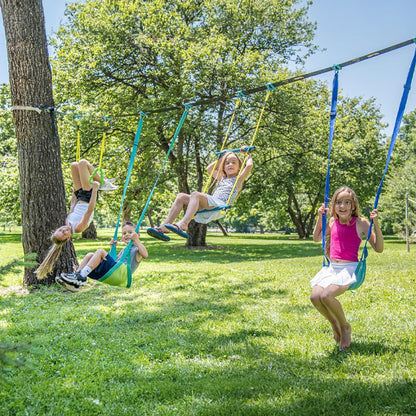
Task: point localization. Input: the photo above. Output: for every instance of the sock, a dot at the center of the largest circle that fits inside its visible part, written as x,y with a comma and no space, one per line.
85,271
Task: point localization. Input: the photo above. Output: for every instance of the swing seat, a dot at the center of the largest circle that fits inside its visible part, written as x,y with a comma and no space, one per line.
205,216
118,275
360,270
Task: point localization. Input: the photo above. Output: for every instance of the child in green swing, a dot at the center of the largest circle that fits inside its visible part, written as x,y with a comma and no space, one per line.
96,265
345,230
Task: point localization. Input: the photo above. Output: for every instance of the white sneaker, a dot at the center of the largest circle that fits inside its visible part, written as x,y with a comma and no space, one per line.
107,186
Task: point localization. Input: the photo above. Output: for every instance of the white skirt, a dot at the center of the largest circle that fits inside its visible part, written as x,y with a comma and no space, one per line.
341,274
206,217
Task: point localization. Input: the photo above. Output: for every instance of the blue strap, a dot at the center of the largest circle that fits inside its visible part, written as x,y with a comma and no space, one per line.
396,129
233,150
333,115
113,251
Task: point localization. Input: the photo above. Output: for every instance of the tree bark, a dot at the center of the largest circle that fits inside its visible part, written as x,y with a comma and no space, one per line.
90,233
42,191
197,234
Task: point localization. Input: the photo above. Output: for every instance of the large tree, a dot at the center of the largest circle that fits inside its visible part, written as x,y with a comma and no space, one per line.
42,194
122,57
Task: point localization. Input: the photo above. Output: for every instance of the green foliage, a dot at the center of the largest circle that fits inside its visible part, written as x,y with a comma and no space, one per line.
121,57
227,331
401,180
9,174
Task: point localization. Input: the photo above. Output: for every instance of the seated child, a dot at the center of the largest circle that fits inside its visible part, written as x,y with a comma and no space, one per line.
96,265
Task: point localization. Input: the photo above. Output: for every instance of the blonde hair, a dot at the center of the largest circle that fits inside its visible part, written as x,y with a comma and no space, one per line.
53,254
221,167
355,207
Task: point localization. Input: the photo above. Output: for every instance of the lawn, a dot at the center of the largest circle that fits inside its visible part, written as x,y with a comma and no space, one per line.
228,331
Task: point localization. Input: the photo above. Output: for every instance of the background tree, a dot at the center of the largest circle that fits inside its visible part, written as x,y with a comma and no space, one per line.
122,57
401,180
9,175
42,194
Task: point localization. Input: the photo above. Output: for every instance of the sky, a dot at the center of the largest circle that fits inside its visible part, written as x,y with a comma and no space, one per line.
346,29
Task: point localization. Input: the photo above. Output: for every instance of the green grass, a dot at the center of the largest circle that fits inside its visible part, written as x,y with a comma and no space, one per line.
221,332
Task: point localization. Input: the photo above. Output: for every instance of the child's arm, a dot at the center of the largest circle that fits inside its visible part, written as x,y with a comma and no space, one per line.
73,202
141,249
83,224
216,174
376,239
317,231
246,170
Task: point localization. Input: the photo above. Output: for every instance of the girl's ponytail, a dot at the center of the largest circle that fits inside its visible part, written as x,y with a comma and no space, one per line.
53,254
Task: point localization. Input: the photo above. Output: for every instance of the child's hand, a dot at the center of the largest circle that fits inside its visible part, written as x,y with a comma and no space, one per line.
374,215
112,242
95,185
322,209
244,149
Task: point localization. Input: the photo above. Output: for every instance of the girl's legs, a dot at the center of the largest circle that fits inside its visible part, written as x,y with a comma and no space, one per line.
315,297
324,299
85,170
328,298
180,201
195,202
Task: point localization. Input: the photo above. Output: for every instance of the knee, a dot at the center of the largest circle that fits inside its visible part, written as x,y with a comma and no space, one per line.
315,298
74,165
102,252
195,195
182,197
83,162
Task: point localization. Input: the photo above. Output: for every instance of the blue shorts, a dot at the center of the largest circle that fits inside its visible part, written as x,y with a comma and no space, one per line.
102,268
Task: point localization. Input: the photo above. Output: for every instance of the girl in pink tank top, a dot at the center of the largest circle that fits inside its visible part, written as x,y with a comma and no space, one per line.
345,231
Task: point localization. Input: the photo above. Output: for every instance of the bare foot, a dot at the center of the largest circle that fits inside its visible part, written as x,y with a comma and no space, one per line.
337,332
164,229
182,226
345,341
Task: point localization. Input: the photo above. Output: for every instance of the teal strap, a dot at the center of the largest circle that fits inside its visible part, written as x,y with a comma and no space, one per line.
113,251
175,136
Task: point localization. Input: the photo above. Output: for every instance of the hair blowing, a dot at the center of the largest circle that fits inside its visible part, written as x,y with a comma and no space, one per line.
53,254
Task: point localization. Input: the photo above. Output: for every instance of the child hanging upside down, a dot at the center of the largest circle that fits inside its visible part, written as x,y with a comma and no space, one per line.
226,174
83,200
96,265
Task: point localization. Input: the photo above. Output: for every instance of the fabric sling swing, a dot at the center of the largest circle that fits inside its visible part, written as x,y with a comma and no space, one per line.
362,264
120,274
205,216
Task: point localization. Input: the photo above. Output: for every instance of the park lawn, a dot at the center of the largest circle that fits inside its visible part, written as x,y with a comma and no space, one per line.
228,331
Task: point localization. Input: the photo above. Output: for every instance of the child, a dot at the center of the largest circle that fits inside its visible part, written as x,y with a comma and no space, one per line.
96,265
83,199
346,229
226,174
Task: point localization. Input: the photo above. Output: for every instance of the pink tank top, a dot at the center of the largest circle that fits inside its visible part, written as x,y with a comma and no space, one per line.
345,241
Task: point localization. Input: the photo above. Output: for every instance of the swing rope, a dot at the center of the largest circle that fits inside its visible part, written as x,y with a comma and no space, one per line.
126,254
270,88
237,103
99,168
78,151
113,251
333,115
360,271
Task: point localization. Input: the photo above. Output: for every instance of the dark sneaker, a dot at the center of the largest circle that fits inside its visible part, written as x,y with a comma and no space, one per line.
67,286
74,279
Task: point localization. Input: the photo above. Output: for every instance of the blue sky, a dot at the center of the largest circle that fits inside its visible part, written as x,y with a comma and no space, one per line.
346,29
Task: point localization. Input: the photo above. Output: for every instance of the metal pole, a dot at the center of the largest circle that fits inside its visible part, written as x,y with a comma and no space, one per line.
407,223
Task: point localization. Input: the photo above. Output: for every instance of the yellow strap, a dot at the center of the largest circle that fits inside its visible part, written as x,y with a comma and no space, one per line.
78,155
237,103
103,144
251,144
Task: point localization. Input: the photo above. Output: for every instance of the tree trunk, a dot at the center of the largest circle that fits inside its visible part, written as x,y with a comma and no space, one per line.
197,233
221,227
90,233
42,192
